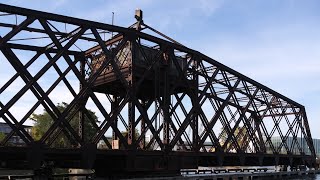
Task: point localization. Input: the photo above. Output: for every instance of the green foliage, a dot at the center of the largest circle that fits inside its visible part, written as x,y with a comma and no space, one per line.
2,136
241,140
125,134
42,123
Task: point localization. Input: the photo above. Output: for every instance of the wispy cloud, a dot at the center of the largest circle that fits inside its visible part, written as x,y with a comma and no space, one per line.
275,55
282,57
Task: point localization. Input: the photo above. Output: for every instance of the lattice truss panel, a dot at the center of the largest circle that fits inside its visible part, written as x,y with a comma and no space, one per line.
181,100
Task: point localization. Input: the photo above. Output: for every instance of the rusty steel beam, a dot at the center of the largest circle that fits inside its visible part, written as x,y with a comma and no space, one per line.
76,21
189,105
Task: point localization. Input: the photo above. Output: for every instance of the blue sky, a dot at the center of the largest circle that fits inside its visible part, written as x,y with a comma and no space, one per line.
274,42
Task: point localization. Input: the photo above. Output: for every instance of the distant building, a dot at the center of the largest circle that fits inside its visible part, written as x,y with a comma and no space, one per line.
276,141
15,139
316,144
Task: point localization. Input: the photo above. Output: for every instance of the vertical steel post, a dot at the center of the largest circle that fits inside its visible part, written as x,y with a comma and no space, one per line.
81,130
114,106
132,94
156,93
131,118
166,97
195,102
257,122
143,129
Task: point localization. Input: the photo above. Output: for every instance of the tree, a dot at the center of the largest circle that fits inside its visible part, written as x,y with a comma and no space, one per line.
241,138
125,134
42,123
2,136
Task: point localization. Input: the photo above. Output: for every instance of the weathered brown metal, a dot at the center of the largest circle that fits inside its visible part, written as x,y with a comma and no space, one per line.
184,101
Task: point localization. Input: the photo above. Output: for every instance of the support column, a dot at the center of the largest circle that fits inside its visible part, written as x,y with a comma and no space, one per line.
131,128
195,102
114,106
81,130
166,99
131,104
257,122
143,129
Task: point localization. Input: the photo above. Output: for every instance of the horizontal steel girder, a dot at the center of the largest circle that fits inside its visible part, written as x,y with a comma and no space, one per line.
141,86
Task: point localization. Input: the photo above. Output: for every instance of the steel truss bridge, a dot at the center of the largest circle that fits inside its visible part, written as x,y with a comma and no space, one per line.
162,107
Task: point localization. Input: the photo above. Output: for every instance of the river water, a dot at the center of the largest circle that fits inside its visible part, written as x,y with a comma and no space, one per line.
270,168
304,177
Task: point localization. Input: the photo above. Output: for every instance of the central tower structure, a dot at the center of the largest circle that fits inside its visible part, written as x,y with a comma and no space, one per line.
142,73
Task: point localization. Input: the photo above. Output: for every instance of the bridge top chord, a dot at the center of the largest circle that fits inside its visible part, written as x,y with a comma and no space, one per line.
156,104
